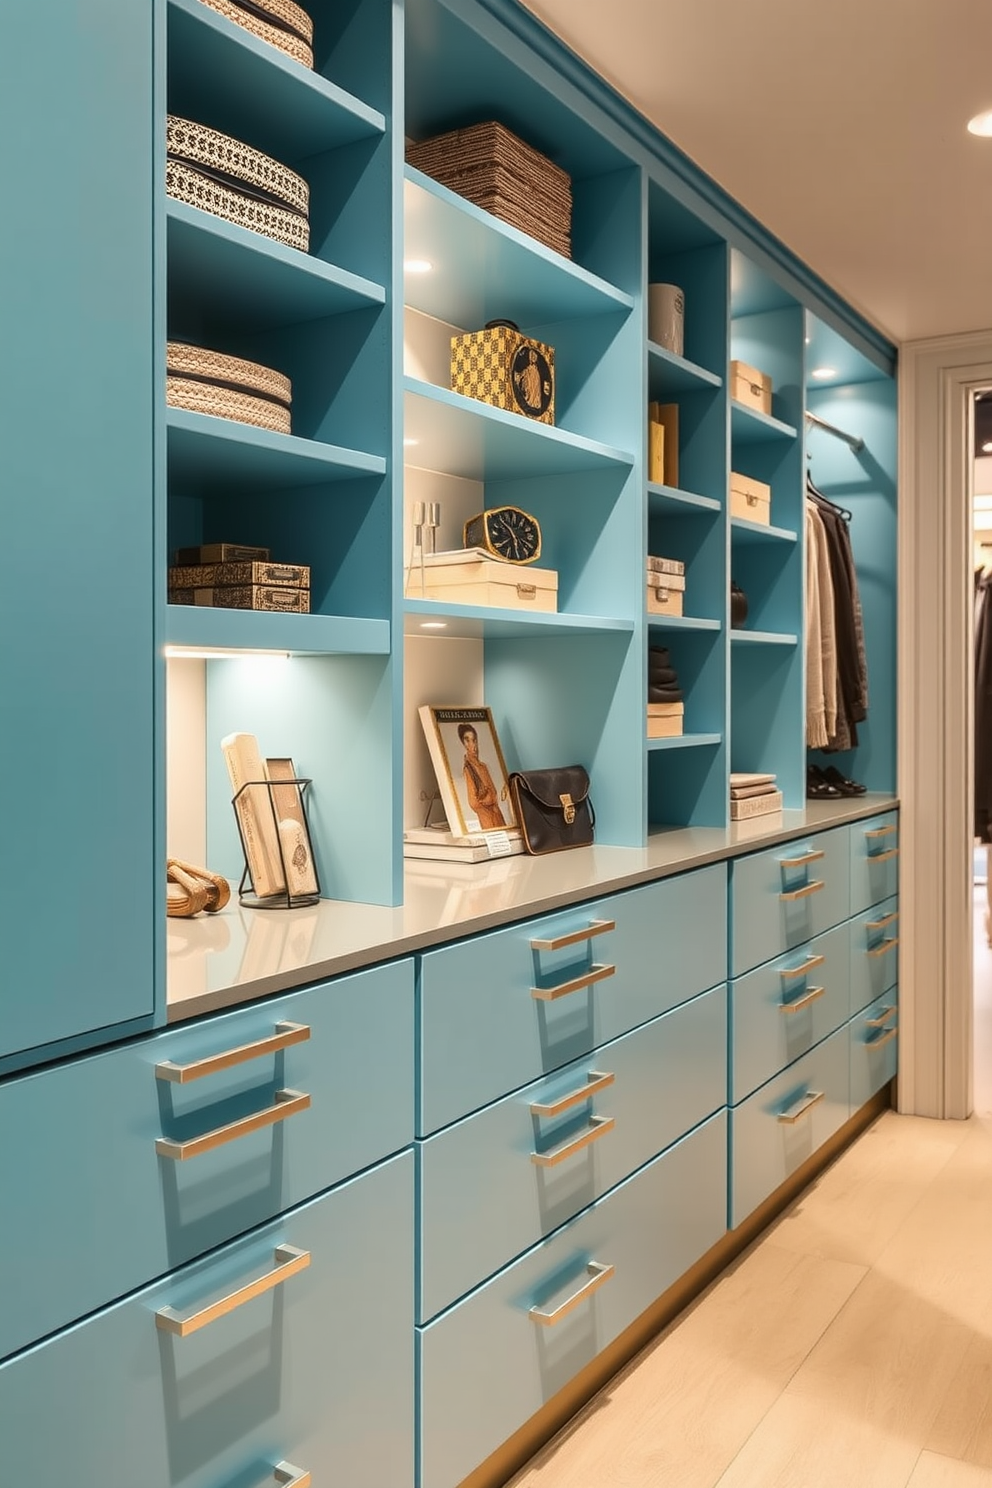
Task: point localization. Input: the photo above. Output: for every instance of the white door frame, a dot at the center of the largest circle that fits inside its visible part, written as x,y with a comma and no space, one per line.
936,381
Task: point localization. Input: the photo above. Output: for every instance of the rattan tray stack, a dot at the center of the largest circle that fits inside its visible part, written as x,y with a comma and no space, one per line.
229,387
279,22
497,171
210,170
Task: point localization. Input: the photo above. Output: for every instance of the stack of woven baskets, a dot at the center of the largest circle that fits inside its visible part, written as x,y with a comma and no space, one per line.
203,381
210,170
497,171
279,22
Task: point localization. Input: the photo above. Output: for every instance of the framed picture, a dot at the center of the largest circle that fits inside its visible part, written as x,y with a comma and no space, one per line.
470,770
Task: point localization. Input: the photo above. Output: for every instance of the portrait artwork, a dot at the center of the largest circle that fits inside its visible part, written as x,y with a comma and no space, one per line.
471,773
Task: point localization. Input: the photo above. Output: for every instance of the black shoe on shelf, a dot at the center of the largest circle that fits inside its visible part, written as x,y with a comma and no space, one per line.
845,786
818,787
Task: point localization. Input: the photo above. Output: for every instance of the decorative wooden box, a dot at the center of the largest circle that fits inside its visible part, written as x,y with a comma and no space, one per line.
750,498
499,365
666,592
666,720
751,387
472,576
245,597
228,575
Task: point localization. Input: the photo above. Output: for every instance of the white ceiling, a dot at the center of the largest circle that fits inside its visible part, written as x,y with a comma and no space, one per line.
840,124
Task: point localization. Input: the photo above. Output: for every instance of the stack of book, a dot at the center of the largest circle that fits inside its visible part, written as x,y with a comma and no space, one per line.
663,444
753,795
475,847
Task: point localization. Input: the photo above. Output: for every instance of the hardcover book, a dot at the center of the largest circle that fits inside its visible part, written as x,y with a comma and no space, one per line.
470,770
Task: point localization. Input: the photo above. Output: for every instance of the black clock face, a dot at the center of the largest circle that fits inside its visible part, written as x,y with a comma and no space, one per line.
513,534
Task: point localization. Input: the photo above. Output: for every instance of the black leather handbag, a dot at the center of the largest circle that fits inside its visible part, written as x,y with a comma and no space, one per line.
553,808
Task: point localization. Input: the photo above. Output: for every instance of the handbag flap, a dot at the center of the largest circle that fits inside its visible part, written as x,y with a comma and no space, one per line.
548,786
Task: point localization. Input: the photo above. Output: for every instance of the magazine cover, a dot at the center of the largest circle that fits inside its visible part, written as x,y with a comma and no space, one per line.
471,773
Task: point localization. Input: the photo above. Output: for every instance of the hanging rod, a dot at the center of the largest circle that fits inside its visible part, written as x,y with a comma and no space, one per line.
852,439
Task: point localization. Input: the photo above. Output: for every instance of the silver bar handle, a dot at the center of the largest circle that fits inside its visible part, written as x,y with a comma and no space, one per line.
599,1275
810,964
888,831
883,1038
596,973
595,1082
287,1103
804,892
883,1017
290,1476
796,1112
181,1074
881,924
289,1262
813,856
558,942
598,1127
885,947
798,1003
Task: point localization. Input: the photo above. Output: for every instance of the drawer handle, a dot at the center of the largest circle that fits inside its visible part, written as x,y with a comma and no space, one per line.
813,856
798,1003
889,831
883,1017
597,927
597,973
883,1038
598,1127
893,852
289,1260
809,964
889,919
287,1103
804,892
595,1083
285,1035
290,1476
796,1112
885,947
598,1276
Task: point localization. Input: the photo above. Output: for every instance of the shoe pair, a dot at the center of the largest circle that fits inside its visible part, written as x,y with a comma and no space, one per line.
830,784
190,890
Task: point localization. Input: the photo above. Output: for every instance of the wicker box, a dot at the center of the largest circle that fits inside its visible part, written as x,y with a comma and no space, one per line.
472,577
245,597
499,365
751,387
230,387
227,575
498,171
279,22
750,499
218,174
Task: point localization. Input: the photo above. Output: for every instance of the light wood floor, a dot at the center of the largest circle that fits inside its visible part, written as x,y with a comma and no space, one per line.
850,1347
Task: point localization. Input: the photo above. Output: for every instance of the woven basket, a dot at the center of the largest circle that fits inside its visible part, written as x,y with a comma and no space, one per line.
210,170
279,22
227,387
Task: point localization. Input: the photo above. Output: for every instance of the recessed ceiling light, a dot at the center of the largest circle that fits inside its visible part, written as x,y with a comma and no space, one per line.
981,124
417,265
408,442
987,447
822,373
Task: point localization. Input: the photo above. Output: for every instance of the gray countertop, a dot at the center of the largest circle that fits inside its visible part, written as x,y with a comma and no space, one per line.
219,961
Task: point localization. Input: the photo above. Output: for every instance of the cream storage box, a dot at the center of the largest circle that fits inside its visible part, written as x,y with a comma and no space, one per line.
751,387
750,498
473,576
666,592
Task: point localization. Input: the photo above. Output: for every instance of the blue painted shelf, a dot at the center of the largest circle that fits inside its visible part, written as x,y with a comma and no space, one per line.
482,268
669,373
215,455
429,617
763,638
673,502
685,741
467,438
748,426
258,91
250,281
680,622
196,628
744,532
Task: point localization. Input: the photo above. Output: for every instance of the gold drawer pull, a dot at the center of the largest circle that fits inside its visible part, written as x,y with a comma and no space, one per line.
805,891
558,943
885,947
883,1017
798,1003
285,1035
287,1103
596,1083
794,1113
598,1127
893,852
813,856
889,831
597,973
289,1260
598,1274
526,591
290,1476
889,919
883,1038
810,964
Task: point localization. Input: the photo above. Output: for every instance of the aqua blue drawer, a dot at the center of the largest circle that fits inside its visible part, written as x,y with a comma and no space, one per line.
315,1370
781,1125
874,860
874,1047
502,1009
781,1010
494,1183
874,953
786,895
119,1174
489,1363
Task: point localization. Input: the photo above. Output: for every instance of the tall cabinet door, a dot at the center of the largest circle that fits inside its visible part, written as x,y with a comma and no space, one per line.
76,475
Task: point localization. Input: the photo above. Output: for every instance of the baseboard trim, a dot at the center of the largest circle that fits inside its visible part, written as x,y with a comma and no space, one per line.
499,1468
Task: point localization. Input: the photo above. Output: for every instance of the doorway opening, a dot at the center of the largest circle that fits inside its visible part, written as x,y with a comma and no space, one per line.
979,468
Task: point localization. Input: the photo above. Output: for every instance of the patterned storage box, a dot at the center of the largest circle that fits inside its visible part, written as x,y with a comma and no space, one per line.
500,366
227,387
218,174
279,22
